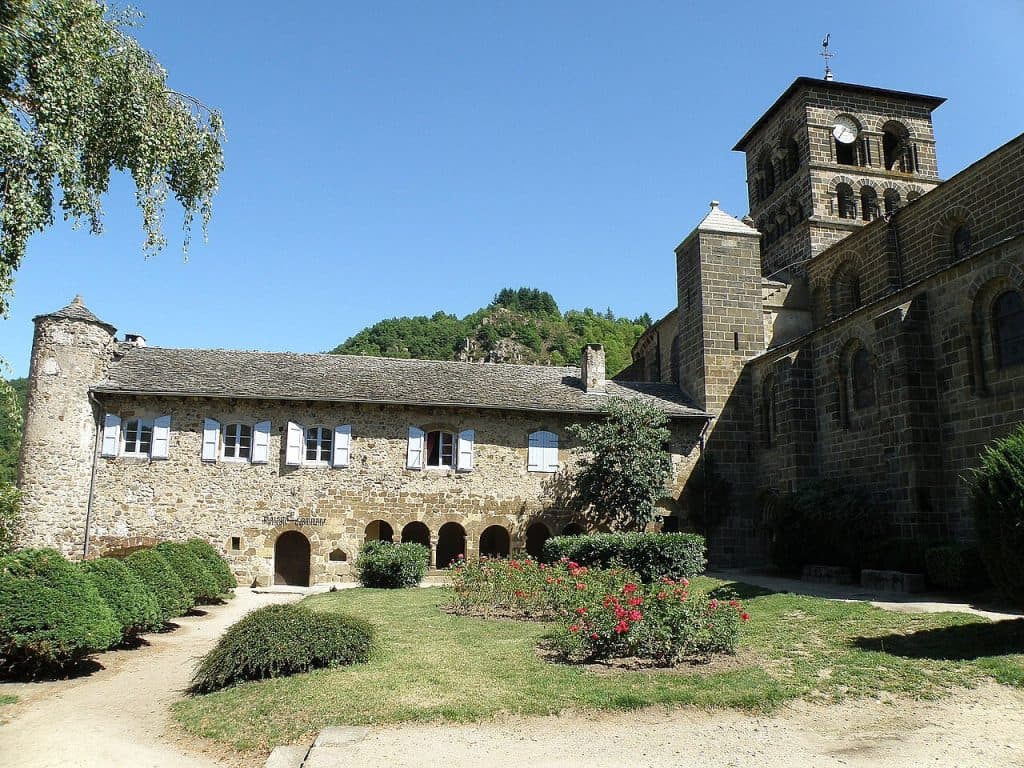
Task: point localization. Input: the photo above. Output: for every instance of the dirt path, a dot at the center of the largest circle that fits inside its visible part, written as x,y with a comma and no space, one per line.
980,728
120,715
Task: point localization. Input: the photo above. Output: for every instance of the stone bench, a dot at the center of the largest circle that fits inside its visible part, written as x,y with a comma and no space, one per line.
826,574
892,581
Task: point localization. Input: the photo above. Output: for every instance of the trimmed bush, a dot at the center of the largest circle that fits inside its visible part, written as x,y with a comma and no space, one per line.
167,587
134,607
50,614
650,555
216,564
997,502
387,565
282,640
193,572
955,567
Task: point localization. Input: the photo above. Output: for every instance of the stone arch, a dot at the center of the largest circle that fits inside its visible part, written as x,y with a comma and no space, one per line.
897,147
858,374
536,534
416,532
843,197
451,543
914,192
869,206
495,541
378,530
988,286
845,288
892,200
947,241
292,559
573,529
338,555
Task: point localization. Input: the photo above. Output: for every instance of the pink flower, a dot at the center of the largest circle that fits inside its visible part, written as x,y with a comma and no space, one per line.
581,610
745,616
621,627
635,601
574,628
713,605
635,615
593,635
580,586
629,589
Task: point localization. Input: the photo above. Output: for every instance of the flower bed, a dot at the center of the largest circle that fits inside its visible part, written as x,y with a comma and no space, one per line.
602,613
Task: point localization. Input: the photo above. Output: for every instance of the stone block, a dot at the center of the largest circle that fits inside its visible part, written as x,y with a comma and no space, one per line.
827,574
286,757
892,581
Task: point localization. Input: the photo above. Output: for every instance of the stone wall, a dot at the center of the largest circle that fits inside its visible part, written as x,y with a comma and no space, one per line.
249,504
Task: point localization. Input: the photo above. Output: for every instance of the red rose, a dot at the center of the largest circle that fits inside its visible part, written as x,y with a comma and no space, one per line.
745,616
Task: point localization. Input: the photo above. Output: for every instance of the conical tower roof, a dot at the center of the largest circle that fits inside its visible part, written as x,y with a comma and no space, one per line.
76,310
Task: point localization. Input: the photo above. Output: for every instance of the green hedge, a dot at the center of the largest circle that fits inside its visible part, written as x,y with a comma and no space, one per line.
216,564
50,613
134,607
955,567
997,503
282,640
167,587
650,555
194,573
383,564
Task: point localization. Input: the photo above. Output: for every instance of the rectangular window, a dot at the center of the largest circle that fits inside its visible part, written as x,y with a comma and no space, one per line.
138,437
236,543
440,449
319,444
237,441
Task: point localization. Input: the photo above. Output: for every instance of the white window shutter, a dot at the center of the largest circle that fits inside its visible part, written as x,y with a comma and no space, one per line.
466,439
342,445
293,447
111,434
551,453
535,453
261,443
161,445
414,454
211,432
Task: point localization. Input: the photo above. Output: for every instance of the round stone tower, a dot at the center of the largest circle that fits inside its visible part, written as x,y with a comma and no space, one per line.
71,351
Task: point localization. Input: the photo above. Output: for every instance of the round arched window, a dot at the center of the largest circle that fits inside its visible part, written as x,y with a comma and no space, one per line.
863,379
1008,329
961,242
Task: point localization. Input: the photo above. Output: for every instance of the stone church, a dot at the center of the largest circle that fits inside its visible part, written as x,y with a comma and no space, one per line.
864,322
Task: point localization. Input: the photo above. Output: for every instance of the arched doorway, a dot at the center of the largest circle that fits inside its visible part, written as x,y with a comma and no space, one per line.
417,533
291,559
495,542
573,529
536,535
378,530
451,542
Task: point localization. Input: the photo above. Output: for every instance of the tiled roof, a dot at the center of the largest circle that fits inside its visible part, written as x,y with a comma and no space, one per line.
718,220
77,310
352,378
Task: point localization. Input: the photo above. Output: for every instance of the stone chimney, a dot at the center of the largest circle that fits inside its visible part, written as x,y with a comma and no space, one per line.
135,339
592,368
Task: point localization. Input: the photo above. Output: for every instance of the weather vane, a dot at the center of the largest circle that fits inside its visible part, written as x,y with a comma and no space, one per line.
826,54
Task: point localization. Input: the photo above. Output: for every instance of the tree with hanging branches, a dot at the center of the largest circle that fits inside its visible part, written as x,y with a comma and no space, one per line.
80,98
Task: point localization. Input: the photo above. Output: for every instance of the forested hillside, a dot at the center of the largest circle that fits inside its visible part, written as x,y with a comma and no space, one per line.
10,435
521,325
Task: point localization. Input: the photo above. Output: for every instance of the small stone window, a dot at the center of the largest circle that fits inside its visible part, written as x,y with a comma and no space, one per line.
337,556
792,156
1008,329
236,543
138,437
961,242
862,380
845,203
237,441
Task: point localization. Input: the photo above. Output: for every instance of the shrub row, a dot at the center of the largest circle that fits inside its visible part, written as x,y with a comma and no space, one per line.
53,613
387,565
650,555
282,640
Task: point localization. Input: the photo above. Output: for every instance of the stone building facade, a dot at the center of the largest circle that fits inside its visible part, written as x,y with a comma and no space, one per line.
288,463
890,348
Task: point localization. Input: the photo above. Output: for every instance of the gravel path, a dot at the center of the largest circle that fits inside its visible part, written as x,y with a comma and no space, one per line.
120,715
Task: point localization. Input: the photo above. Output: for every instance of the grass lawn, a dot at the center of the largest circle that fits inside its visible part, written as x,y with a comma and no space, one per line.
429,665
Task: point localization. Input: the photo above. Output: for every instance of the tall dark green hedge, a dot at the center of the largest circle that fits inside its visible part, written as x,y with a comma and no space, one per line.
50,613
216,564
167,587
282,640
193,571
650,555
133,605
997,502
387,565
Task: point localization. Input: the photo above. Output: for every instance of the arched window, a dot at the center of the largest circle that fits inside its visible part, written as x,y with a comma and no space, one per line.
961,242
868,203
897,151
845,203
892,201
862,379
1008,329
237,441
845,291
848,142
768,174
792,156
913,195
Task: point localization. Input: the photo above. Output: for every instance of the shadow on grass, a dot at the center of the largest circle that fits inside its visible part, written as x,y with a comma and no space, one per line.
960,643
739,590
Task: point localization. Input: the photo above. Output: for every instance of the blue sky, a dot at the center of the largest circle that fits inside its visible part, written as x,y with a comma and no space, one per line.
394,158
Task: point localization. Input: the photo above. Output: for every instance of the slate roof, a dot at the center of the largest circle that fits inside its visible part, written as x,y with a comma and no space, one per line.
77,310
353,378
